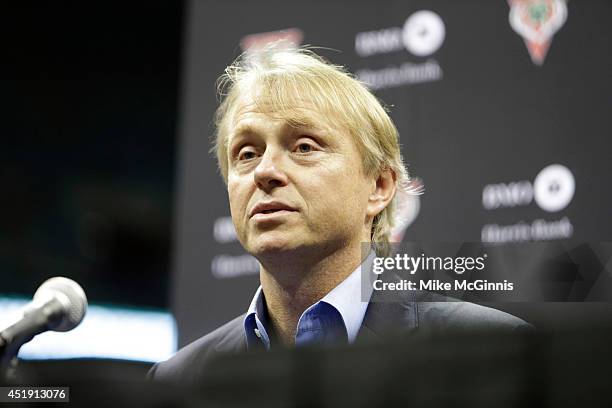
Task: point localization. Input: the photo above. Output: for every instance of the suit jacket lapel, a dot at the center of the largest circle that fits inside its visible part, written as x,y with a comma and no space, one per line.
234,339
389,313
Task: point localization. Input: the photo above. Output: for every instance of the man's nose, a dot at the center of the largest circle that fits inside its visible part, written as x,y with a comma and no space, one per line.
269,172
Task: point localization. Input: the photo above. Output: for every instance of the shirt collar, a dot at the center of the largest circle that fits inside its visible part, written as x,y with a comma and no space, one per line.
347,298
257,305
256,321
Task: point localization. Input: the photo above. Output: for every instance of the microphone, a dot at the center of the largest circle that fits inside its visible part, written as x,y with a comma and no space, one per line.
59,304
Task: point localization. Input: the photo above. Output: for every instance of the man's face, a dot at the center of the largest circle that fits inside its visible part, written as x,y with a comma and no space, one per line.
295,188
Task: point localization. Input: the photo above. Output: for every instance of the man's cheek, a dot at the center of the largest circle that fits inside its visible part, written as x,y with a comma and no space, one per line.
241,226
237,213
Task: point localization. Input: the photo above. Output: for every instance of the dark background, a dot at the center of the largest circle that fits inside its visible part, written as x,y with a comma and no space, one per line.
107,116
89,101
494,117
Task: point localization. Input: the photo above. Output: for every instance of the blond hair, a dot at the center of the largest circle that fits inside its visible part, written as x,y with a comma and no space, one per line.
276,77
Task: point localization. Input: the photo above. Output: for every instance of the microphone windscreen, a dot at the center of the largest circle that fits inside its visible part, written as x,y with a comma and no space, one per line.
70,295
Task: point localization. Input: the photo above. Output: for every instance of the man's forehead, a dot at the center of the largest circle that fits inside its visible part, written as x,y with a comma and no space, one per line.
300,114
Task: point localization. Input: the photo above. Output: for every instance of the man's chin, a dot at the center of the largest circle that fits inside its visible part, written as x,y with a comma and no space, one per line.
272,247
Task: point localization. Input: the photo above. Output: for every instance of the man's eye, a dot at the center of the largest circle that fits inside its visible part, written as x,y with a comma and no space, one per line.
304,148
247,155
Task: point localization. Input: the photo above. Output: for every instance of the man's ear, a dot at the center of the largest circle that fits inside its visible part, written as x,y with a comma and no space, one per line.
384,191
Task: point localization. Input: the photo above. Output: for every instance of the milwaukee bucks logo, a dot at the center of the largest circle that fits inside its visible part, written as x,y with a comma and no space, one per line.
537,21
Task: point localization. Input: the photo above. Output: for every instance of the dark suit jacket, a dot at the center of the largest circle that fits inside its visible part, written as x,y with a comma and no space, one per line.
422,311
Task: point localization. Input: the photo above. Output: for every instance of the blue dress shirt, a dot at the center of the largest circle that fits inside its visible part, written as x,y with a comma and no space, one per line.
335,318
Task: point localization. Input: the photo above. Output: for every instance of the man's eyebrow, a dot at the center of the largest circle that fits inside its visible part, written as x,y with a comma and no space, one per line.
316,123
303,124
241,130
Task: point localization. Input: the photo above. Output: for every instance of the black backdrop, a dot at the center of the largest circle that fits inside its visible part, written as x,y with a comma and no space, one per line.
89,107
479,120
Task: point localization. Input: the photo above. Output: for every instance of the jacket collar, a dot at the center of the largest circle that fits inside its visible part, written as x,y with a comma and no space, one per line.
234,340
389,313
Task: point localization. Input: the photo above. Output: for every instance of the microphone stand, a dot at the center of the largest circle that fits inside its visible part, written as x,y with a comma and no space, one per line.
11,340
8,365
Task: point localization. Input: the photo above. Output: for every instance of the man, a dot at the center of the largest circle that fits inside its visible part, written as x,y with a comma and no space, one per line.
312,164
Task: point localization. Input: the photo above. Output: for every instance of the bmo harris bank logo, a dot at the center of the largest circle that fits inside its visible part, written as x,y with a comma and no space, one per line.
422,34
552,190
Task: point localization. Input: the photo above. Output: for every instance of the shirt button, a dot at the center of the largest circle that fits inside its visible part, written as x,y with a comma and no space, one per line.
257,333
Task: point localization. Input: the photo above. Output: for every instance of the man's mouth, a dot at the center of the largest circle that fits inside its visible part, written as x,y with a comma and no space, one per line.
271,207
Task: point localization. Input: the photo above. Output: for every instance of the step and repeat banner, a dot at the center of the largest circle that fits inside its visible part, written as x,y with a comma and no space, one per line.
503,109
